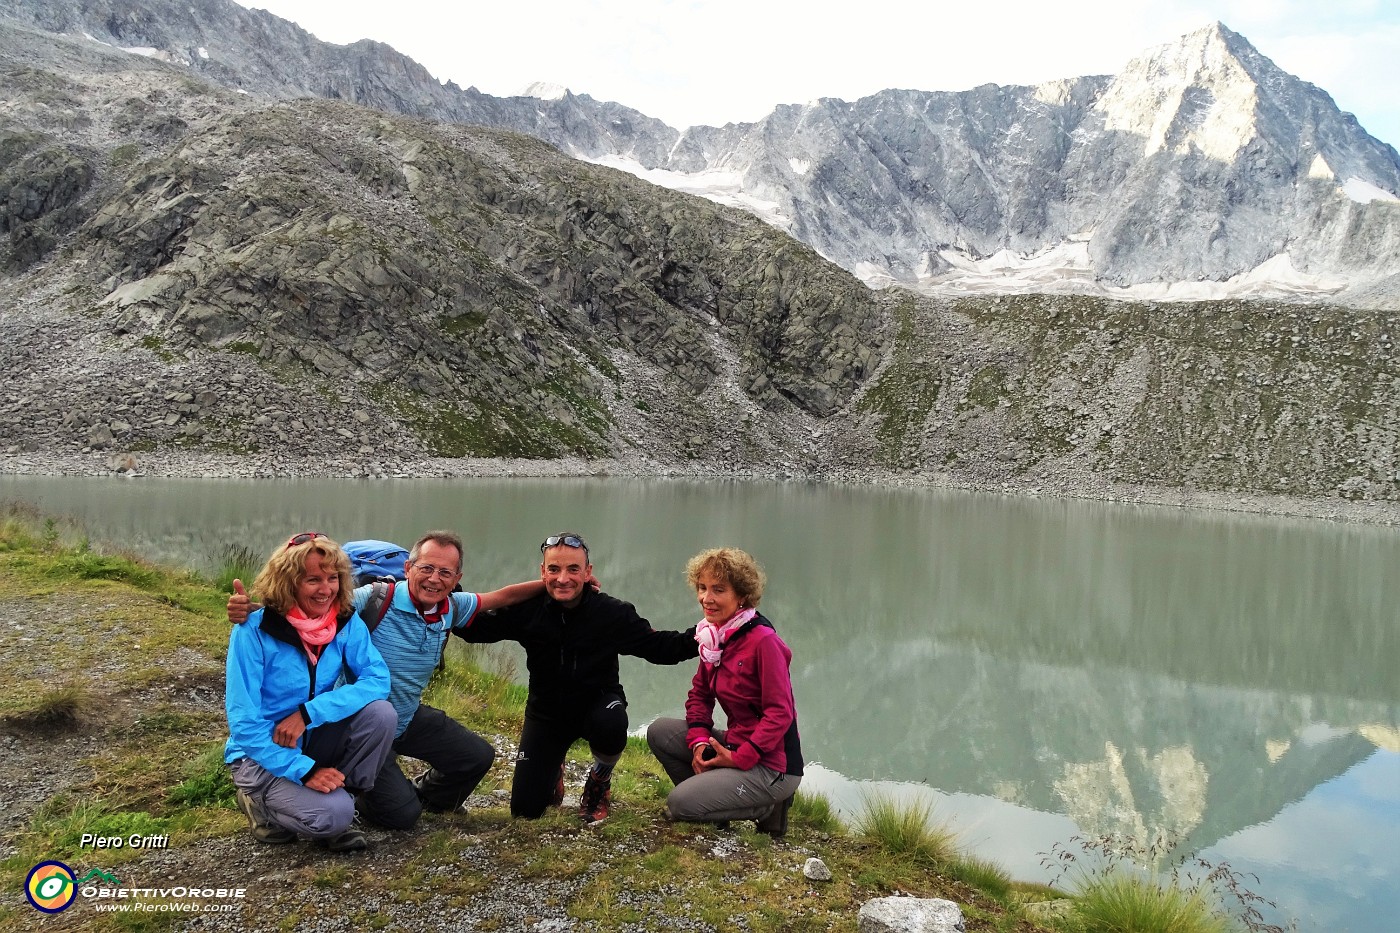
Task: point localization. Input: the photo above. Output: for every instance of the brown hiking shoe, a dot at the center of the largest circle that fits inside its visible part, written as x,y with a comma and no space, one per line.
596,802
557,798
258,824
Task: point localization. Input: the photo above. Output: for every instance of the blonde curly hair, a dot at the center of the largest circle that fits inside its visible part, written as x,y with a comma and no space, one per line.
276,584
735,567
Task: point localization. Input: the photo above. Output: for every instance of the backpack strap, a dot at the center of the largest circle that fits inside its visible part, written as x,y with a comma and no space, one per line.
381,594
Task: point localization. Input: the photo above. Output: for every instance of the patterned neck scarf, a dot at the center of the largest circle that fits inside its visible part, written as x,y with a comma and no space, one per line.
315,633
711,637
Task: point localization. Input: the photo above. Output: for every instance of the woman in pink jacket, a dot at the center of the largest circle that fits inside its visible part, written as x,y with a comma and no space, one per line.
750,770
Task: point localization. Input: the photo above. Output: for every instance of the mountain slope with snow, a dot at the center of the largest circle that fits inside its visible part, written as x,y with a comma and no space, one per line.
1202,170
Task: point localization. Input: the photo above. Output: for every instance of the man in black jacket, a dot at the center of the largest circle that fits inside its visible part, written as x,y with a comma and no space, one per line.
572,635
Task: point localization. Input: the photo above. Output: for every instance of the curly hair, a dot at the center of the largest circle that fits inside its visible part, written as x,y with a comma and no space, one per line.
276,584
735,567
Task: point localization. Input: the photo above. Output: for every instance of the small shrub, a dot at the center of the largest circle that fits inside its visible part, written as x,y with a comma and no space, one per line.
85,564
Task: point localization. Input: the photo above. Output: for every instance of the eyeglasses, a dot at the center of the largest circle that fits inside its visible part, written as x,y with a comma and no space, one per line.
302,538
443,573
566,540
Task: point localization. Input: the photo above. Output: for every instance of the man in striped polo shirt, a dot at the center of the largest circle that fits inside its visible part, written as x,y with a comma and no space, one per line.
411,636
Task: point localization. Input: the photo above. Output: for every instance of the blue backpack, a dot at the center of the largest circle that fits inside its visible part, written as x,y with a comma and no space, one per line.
375,560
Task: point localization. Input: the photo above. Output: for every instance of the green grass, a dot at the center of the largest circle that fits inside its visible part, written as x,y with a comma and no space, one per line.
814,811
907,831
1120,903
237,562
55,710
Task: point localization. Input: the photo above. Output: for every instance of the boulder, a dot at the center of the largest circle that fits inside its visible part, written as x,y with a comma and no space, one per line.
910,915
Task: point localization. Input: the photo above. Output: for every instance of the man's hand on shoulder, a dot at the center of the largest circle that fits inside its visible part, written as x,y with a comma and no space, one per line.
239,605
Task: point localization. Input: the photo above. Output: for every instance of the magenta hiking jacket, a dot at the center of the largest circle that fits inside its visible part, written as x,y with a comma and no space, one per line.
754,688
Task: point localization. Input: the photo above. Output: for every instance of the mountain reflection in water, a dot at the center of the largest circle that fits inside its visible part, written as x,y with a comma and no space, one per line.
1042,668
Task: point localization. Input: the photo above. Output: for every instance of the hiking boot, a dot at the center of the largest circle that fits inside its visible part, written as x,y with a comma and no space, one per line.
258,824
352,840
596,801
422,785
557,798
774,823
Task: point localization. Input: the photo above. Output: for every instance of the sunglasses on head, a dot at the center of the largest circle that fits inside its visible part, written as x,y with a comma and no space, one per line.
302,538
566,540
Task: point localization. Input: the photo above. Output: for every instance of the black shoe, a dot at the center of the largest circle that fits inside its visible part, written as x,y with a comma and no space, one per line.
258,824
352,840
596,802
774,823
421,786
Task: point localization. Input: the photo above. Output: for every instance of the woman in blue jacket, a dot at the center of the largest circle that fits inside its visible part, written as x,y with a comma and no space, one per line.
303,739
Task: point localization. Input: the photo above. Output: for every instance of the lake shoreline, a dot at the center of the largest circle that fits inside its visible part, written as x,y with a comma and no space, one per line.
1062,485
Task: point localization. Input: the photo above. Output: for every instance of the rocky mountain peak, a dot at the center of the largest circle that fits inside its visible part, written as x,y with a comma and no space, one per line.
545,90
1202,92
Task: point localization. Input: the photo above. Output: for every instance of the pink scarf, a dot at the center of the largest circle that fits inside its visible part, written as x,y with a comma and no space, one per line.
314,633
711,637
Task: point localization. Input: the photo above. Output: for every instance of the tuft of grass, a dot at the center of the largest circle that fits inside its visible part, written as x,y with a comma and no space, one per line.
1117,902
907,831
814,811
236,562
983,874
58,710
1127,885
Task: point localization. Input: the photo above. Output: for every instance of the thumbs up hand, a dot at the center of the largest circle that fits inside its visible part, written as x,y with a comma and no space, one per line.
239,605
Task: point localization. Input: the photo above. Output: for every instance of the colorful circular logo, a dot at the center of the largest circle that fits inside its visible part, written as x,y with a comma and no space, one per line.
50,887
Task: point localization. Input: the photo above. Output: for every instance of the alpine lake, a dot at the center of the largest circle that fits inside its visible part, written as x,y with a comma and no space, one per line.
1036,670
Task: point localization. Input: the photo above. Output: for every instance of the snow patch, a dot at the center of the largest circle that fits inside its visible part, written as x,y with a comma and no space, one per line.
721,187
800,166
1067,269
1320,169
1363,192
544,90
162,55
203,52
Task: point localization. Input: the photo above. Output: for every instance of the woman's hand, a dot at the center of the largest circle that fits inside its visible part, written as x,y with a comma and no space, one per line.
289,730
702,760
324,779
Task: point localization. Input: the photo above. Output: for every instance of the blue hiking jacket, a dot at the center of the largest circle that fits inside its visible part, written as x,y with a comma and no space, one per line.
269,676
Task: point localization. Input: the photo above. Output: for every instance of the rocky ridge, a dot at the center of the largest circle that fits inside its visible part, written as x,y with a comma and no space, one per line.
474,287
204,282
1202,162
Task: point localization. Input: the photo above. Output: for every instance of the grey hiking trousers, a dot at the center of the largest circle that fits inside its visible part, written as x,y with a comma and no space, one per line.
356,746
720,794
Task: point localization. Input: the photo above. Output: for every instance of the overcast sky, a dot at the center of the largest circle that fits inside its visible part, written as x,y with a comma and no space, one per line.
718,61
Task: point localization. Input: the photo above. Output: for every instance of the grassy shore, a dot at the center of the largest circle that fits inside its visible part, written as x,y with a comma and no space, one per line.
112,725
